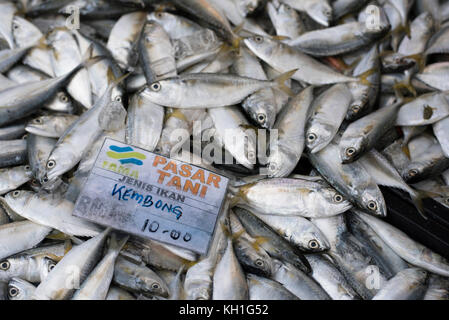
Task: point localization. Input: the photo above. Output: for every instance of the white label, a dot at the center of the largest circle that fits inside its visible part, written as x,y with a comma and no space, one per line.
152,196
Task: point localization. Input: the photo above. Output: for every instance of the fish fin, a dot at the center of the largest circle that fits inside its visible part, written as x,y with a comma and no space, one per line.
280,82
42,43
67,246
281,38
406,151
407,86
57,235
420,60
258,241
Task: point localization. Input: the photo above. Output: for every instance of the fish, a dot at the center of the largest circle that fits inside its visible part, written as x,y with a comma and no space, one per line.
284,58
96,285
361,135
426,109
24,99
14,152
20,236
326,116
286,21
260,106
157,54
291,125
144,122
409,250
365,275
351,180
204,90
72,270
104,115
280,248
319,10
51,126
13,177
211,17
298,283
266,289
437,289
19,289
293,197
330,278
50,210
229,281
340,39
408,284
33,265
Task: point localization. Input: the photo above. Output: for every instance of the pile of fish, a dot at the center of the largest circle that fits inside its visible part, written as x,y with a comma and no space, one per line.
356,92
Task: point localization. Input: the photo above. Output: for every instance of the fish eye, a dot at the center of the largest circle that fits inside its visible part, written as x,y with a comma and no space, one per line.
159,15
413,173
155,286
44,179
38,120
156,86
118,99
251,155
272,167
51,164
372,205
258,39
5,265
313,244
51,266
16,193
13,291
259,263
327,13
64,98
312,137
15,26
355,108
261,117
27,167
338,198
25,137
350,152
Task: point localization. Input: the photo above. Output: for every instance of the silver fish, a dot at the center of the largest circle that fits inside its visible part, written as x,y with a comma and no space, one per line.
352,180
19,289
283,58
76,265
265,289
409,250
326,116
408,284
290,123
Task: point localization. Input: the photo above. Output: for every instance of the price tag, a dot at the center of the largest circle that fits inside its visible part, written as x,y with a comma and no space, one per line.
152,196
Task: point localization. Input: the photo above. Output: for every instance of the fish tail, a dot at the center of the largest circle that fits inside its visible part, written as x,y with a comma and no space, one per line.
417,199
116,81
280,82
363,78
114,245
237,39
88,60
